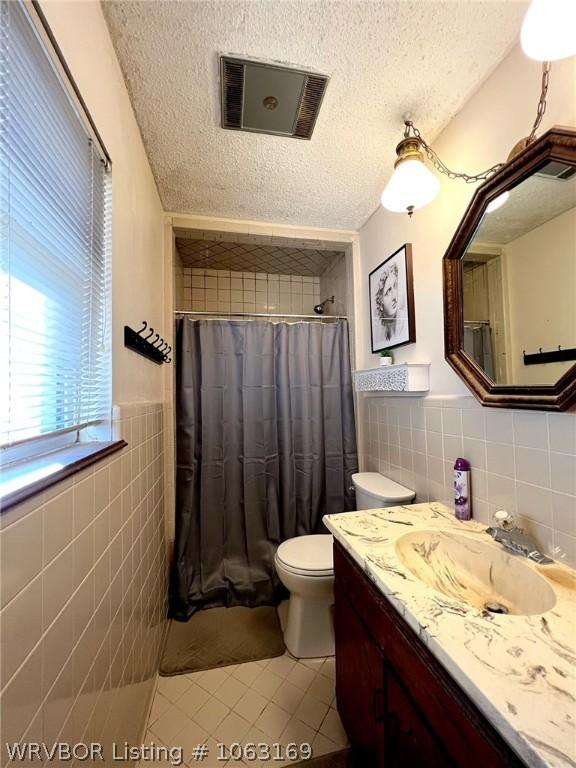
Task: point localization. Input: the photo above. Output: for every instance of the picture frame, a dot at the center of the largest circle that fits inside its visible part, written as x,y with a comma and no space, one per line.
391,300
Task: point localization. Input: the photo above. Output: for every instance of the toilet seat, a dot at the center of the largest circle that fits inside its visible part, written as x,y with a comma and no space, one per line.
307,555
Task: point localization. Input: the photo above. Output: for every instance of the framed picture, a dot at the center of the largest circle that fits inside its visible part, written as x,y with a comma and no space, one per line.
392,322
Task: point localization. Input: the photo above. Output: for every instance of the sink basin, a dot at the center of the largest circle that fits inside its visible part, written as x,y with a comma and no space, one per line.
475,572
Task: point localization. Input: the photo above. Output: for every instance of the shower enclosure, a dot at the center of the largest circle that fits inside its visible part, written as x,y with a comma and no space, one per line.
266,445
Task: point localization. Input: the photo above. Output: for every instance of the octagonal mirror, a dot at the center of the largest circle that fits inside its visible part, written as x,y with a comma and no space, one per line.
510,281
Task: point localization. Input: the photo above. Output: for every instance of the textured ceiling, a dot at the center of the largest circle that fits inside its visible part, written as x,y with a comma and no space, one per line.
532,203
251,253
384,58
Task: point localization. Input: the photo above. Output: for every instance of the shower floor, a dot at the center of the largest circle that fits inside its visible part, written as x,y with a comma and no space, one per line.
274,701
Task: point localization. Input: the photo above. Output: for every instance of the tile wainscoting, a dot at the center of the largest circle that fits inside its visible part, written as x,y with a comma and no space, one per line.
522,461
84,590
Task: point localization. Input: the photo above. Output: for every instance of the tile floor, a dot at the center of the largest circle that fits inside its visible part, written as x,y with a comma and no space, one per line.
279,700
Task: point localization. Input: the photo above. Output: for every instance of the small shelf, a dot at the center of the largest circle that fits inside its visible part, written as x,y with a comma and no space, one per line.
401,379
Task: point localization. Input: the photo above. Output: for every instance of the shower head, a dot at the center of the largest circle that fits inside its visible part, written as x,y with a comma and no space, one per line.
319,308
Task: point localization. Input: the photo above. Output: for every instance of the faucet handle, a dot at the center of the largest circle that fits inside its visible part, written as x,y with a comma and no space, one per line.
504,519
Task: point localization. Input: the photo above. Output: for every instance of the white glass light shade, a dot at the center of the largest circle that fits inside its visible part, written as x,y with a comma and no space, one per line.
412,186
497,202
549,30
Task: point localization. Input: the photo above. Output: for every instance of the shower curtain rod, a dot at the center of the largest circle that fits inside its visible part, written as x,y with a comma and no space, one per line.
232,315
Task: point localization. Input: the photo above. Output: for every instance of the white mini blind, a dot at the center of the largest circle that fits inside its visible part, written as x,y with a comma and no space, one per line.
54,244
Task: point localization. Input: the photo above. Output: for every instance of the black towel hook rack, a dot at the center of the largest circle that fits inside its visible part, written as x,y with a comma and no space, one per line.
158,350
553,356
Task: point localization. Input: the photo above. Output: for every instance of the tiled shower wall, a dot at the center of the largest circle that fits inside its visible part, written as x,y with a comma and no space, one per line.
334,282
177,283
215,290
524,462
83,596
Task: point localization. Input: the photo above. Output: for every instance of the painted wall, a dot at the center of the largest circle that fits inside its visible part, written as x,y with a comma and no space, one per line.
541,269
484,131
137,218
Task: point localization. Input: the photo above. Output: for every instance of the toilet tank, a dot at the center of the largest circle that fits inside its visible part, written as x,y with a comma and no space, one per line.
374,490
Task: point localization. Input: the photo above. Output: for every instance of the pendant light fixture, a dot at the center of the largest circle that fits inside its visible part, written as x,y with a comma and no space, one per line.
549,30
413,185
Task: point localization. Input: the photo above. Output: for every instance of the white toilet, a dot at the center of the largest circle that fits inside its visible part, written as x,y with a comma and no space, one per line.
306,568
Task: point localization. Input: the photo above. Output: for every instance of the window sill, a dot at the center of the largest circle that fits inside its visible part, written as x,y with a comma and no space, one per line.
38,474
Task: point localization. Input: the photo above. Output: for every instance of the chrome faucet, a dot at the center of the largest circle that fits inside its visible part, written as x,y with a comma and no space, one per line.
513,538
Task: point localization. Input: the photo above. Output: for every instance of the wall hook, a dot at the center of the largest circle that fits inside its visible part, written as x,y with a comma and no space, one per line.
137,342
558,355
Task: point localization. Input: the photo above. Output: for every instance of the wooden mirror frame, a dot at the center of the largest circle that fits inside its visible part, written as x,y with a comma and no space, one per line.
559,143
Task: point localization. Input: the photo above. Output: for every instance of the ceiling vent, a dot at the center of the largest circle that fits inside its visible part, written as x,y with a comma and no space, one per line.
265,98
557,170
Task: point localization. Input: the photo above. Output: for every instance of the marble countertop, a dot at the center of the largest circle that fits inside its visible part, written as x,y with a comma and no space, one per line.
520,670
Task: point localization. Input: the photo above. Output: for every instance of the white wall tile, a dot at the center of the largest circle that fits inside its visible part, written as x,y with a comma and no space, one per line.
25,536
531,430
563,473
21,627
501,492
435,445
473,424
452,447
564,513
452,421
512,465
69,663
499,427
57,585
21,698
475,452
433,420
58,516
225,291
417,420
500,459
533,466
562,432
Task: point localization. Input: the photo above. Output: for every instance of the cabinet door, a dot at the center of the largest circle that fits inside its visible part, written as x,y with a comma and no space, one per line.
359,684
409,741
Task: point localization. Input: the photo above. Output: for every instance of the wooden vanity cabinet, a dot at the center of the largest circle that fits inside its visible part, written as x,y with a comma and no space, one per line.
399,706
359,683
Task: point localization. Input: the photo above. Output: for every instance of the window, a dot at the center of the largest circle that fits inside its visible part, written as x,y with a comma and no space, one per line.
54,243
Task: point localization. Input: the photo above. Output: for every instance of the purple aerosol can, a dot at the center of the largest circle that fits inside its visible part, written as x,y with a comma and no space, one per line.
462,501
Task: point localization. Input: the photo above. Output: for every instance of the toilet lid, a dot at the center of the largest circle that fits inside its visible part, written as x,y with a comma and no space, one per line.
308,554
382,488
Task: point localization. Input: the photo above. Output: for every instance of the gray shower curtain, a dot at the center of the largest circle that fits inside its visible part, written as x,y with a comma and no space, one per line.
265,446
